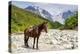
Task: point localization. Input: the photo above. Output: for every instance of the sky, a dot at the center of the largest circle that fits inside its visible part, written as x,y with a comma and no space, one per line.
51,8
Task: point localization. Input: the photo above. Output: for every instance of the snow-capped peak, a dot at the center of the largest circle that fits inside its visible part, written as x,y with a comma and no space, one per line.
60,16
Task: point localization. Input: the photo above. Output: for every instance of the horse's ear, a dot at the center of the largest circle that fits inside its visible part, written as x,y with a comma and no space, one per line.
45,22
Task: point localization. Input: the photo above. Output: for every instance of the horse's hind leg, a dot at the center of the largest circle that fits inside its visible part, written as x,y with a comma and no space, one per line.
26,41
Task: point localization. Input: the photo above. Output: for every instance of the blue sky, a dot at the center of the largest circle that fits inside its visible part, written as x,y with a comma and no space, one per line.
52,8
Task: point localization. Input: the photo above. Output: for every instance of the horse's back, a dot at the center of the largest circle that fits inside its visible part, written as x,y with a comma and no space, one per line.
31,32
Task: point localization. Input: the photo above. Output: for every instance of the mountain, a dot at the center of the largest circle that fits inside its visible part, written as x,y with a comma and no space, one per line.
42,12
21,19
67,14
61,17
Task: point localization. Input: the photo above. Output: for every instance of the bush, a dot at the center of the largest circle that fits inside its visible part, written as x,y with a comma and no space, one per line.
71,22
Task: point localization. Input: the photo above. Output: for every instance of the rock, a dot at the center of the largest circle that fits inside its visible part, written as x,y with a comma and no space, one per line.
53,40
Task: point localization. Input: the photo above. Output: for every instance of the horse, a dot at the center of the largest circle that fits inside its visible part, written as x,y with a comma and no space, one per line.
34,32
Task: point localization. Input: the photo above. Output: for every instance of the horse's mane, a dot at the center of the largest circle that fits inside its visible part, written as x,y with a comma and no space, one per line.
42,24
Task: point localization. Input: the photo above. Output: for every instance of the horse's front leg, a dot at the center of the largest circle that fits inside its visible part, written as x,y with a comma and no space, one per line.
34,43
37,43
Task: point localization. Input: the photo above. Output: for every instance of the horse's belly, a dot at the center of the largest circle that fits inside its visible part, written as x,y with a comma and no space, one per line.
33,35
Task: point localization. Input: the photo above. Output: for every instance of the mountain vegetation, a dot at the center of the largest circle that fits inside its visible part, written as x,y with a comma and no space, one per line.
72,21
21,19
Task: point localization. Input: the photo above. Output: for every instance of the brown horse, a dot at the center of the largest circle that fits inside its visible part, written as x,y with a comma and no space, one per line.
34,32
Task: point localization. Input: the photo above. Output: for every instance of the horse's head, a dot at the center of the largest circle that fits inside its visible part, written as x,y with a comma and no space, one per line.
45,26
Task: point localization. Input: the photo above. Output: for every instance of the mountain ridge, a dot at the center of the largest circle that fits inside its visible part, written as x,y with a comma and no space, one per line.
39,11
45,14
21,19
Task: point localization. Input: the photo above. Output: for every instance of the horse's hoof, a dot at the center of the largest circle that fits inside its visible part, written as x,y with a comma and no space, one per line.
33,48
27,46
37,48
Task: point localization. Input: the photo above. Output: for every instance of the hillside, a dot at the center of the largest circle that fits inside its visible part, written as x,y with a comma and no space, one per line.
21,19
